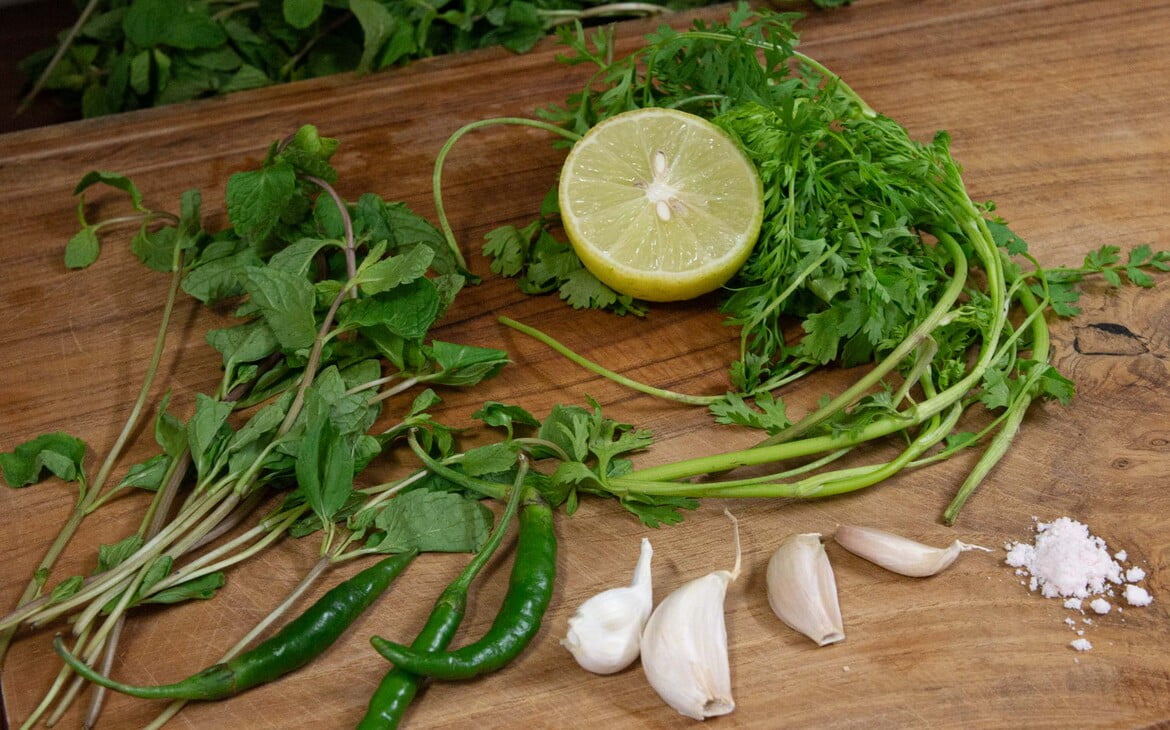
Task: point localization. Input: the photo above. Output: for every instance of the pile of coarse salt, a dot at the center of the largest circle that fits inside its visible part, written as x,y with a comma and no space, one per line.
1067,561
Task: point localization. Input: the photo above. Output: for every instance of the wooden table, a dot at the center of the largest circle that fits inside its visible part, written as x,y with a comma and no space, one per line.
1058,112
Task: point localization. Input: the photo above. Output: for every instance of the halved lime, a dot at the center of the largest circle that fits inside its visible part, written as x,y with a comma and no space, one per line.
660,204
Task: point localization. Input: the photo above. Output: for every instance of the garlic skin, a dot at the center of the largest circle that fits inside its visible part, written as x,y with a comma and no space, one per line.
802,589
899,554
605,631
684,646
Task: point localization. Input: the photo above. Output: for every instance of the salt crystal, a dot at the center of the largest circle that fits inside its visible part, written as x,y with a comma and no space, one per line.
1087,621
1121,556
1134,574
1080,644
1137,596
1101,606
1065,560
1070,622
1073,604
1080,632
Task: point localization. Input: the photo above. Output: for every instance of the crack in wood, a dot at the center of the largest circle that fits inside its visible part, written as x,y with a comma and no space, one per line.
1109,339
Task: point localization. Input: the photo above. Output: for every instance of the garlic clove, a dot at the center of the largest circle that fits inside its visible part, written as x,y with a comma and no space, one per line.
605,631
802,589
899,554
684,646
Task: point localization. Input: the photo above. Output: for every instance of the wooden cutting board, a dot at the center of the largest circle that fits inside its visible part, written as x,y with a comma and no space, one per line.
1058,112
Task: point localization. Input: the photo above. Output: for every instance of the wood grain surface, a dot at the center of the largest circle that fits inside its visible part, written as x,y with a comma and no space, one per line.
1058,111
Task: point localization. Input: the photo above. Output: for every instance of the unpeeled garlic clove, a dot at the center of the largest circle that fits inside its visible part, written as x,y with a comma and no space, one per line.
684,646
605,631
899,554
802,589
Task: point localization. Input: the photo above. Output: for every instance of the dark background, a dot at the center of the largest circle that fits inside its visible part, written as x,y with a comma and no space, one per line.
25,28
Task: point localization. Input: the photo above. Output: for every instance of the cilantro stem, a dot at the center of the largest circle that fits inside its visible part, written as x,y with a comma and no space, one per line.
1015,415
905,348
697,400
437,175
820,485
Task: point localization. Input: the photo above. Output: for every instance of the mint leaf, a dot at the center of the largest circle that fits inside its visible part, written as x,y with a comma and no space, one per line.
244,343
148,475
431,521
396,270
491,459
169,431
110,556
220,278
150,23
324,468
465,365
201,588
58,453
377,24
82,250
114,180
256,200
301,13
66,589
206,430
286,302
501,415
408,310
156,249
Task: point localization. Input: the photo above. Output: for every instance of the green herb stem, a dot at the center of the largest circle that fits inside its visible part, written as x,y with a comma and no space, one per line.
437,175
54,690
593,367
1014,416
313,363
820,485
479,486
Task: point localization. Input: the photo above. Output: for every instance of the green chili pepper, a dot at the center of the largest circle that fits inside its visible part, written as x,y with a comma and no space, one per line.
529,591
398,688
301,640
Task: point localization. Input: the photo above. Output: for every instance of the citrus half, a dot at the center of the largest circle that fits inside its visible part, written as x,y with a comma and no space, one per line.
660,204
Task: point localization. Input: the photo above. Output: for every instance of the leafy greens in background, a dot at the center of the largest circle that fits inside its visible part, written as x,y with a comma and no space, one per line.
131,54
